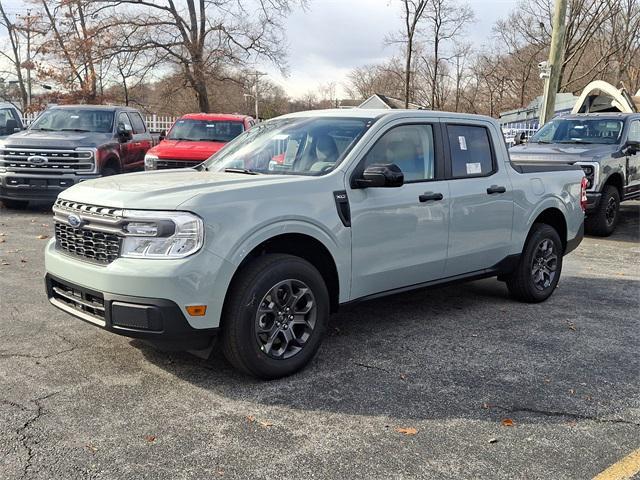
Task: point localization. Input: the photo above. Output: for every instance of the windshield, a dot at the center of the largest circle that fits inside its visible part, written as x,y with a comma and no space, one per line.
296,146
74,120
600,131
205,130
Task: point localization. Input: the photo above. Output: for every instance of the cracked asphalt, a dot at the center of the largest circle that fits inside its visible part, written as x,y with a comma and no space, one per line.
454,363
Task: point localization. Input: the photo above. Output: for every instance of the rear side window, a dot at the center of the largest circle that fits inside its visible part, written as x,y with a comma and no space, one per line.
137,123
471,153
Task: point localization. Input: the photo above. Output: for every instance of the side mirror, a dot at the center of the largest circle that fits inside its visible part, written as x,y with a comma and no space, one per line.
163,135
631,147
378,175
125,133
518,138
11,126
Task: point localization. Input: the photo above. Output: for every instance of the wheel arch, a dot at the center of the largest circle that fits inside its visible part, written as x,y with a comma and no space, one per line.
304,246
616,180
553,217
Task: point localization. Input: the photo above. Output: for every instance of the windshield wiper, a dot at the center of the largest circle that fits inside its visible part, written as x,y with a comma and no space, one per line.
45,129
246,171
583,142
180,139
74,130
540,141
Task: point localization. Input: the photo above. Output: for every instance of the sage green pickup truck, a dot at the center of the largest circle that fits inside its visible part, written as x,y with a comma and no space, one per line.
253,249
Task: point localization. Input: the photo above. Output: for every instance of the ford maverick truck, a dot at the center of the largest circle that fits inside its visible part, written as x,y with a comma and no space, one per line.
67,145
606,146
301,214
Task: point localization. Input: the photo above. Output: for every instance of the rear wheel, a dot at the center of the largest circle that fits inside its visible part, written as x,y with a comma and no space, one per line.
108,171
16,204
275,316
538,270
603,221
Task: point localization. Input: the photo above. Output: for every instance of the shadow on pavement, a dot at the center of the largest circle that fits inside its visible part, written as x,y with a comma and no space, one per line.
459,352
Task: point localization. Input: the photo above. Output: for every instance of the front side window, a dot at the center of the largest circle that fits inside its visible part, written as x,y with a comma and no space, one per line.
410,147
74,120
291,146
471,154
137,123
634,131
205,130
578,130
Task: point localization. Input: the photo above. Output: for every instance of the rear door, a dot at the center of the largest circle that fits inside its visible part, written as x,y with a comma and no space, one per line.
399,235
481,205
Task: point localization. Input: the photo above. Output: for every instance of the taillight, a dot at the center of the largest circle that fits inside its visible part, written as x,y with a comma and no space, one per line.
583,194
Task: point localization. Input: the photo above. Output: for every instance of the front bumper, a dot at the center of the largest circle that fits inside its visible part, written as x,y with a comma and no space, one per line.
20,186
201,279
593,200
153,319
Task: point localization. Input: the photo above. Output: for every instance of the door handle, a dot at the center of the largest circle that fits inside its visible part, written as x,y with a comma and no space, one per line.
496,189
430,196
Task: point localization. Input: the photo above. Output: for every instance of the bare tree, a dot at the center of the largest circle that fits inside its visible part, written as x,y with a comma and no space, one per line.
15,56
202,36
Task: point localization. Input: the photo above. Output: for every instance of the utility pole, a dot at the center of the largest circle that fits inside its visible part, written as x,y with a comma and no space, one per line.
256,94
28,25
556,59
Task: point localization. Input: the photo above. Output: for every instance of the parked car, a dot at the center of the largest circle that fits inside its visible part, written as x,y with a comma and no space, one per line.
260,251
606,146
67,145
10,119
195,137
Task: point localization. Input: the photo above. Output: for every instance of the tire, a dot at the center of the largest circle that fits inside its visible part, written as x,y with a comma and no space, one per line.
603,221
255,339
538,271
16,204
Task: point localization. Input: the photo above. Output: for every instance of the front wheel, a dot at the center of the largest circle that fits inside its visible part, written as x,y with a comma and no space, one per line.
275,316
602,222
538,270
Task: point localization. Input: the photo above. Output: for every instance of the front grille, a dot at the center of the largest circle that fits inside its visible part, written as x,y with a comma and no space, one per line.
46,161
97,238
81,301
95,246
166,164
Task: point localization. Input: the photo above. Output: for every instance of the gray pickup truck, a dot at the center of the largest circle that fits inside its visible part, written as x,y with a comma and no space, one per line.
606,146
69,144
304,213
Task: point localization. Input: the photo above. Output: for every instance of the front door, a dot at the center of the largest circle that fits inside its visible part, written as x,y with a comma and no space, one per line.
399,235
632,188
481,200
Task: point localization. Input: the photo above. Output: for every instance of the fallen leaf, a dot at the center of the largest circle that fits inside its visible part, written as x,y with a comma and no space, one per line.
251,418
572,326
22,260
42,237
4,263
547,380
493,440
621,274
221,472
572,391
587,397
150,438
507,422
2,240
486,406
46,225
403,376
407,430
91,448
265,424
2,234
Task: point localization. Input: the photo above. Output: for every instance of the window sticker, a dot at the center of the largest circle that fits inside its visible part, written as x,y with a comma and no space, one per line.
473,168
74,116
463,143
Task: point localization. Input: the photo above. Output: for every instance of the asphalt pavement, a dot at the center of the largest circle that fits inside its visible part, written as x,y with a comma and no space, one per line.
455,382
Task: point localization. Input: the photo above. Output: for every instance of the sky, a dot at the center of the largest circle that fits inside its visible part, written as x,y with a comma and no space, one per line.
331,37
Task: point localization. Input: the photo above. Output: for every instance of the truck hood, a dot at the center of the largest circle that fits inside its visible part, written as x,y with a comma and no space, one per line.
165,189
185,150
559,152
70,140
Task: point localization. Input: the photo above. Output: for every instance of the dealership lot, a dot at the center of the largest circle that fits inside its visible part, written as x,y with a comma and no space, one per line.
481,386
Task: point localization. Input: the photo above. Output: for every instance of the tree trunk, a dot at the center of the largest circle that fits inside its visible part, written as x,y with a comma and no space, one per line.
407,71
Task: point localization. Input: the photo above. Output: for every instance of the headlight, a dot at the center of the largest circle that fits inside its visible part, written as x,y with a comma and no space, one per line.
152,234
150,161
591,172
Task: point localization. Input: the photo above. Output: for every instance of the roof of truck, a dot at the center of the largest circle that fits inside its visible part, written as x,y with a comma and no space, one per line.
93,107
378,113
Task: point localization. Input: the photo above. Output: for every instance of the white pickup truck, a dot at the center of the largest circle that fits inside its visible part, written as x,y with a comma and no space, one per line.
303,213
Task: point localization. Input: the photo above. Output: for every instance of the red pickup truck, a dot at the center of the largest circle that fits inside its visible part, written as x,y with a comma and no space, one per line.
195,137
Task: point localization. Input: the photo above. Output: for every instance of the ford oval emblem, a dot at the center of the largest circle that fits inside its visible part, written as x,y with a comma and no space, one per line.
37,159
74,220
